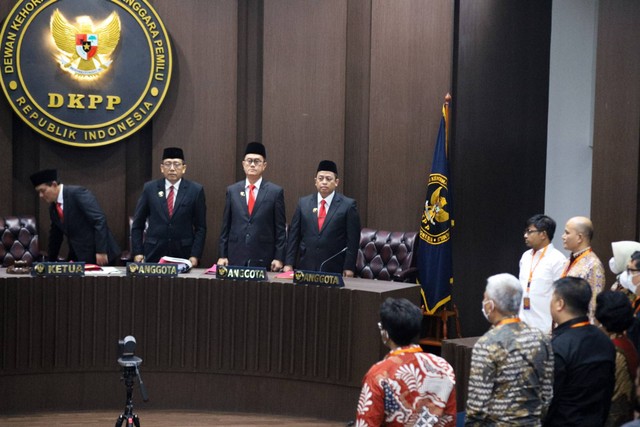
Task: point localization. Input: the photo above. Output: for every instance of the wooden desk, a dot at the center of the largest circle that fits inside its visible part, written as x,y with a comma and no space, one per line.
458,353
206,344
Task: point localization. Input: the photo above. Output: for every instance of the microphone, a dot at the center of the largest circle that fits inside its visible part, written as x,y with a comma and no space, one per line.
332,257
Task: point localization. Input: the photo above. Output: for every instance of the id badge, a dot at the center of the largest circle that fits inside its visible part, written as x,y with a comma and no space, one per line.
526,303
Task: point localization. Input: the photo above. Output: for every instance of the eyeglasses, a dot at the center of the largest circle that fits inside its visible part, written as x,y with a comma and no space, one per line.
176,165
527,232
256,162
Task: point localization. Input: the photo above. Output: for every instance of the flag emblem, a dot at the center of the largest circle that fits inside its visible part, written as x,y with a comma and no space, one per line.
86,45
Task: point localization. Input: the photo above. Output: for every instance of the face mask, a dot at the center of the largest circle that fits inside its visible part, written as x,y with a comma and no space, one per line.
627,281
612,265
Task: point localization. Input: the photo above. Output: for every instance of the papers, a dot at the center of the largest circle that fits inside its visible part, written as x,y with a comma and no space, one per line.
212,270
285,275
184,264
102,271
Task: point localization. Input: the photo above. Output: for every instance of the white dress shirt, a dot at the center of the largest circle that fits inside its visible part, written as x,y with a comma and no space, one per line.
544,271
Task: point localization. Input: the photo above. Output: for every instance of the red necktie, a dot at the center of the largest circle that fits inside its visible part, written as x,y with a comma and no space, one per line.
252,198
170,201
60,212
322,214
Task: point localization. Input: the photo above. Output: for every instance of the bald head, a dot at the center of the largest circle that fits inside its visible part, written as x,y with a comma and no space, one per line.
578,233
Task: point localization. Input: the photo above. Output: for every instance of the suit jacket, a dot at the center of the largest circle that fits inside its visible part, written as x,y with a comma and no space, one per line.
182,235
310,247
255,239
85,226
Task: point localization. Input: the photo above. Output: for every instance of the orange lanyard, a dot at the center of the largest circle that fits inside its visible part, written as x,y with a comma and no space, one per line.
580,324
412,349
532,268
571,264
507,321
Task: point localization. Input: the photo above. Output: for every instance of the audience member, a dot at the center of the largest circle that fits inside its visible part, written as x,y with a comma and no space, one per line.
511,377
408,387
584,366
615,315
583,262
539,267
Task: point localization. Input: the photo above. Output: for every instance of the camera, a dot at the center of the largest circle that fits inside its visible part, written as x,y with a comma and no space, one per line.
127,346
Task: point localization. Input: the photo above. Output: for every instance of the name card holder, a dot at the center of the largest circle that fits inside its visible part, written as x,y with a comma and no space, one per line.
149,269
305,277
57,269
236,272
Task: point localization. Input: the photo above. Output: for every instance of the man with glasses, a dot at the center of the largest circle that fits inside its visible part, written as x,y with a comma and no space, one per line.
175,210
254,222
540,266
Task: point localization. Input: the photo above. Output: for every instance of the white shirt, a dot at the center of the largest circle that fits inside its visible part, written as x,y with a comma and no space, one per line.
167,187
327,201
255,190
546,269
60,198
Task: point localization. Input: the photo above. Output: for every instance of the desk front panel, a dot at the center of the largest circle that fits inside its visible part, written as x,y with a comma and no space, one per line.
205,344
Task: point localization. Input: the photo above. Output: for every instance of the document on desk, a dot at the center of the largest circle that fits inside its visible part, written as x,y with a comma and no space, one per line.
103,271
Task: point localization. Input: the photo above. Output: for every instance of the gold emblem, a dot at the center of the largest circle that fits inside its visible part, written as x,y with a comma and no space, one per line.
85,50
133,268
435,209
299,275
221,271
39,268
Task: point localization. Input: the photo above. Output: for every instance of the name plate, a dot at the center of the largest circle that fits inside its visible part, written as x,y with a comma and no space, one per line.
241,273
58,269
304,277
148,269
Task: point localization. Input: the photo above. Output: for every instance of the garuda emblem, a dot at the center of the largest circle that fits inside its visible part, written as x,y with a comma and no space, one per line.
434,208
85,50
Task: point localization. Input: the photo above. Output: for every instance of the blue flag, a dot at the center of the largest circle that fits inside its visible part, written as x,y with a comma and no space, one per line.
435,270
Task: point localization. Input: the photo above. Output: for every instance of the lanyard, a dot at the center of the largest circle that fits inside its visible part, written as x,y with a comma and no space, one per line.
412,349
580,324
571,264
507,321
532,268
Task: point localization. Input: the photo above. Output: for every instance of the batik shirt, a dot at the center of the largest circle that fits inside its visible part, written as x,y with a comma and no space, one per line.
590,268
408,388
511,376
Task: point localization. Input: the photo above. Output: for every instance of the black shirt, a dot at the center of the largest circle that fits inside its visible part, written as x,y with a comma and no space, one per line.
584,375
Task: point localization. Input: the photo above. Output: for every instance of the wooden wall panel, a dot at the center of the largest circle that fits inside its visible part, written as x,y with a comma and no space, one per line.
410,74
358,88
199,112
6,152
616,141
304,91
499,150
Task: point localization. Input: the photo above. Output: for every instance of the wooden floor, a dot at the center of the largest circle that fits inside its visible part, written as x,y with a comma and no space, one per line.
160,419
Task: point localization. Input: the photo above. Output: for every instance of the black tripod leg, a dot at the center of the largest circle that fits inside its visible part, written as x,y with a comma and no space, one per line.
136,420
121,418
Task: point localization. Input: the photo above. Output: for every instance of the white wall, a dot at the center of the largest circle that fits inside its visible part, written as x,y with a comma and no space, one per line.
571,105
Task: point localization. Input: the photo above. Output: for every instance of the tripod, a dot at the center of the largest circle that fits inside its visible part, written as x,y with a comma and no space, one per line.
130,372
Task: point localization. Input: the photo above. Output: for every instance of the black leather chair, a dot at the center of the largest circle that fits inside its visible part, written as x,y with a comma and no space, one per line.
19,240
387,255
126,255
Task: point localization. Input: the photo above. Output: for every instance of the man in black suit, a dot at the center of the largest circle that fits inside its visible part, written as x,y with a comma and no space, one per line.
176,211
254,222
324,224
75,213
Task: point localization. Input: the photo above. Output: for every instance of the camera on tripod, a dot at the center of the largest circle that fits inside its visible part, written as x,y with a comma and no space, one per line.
130,363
